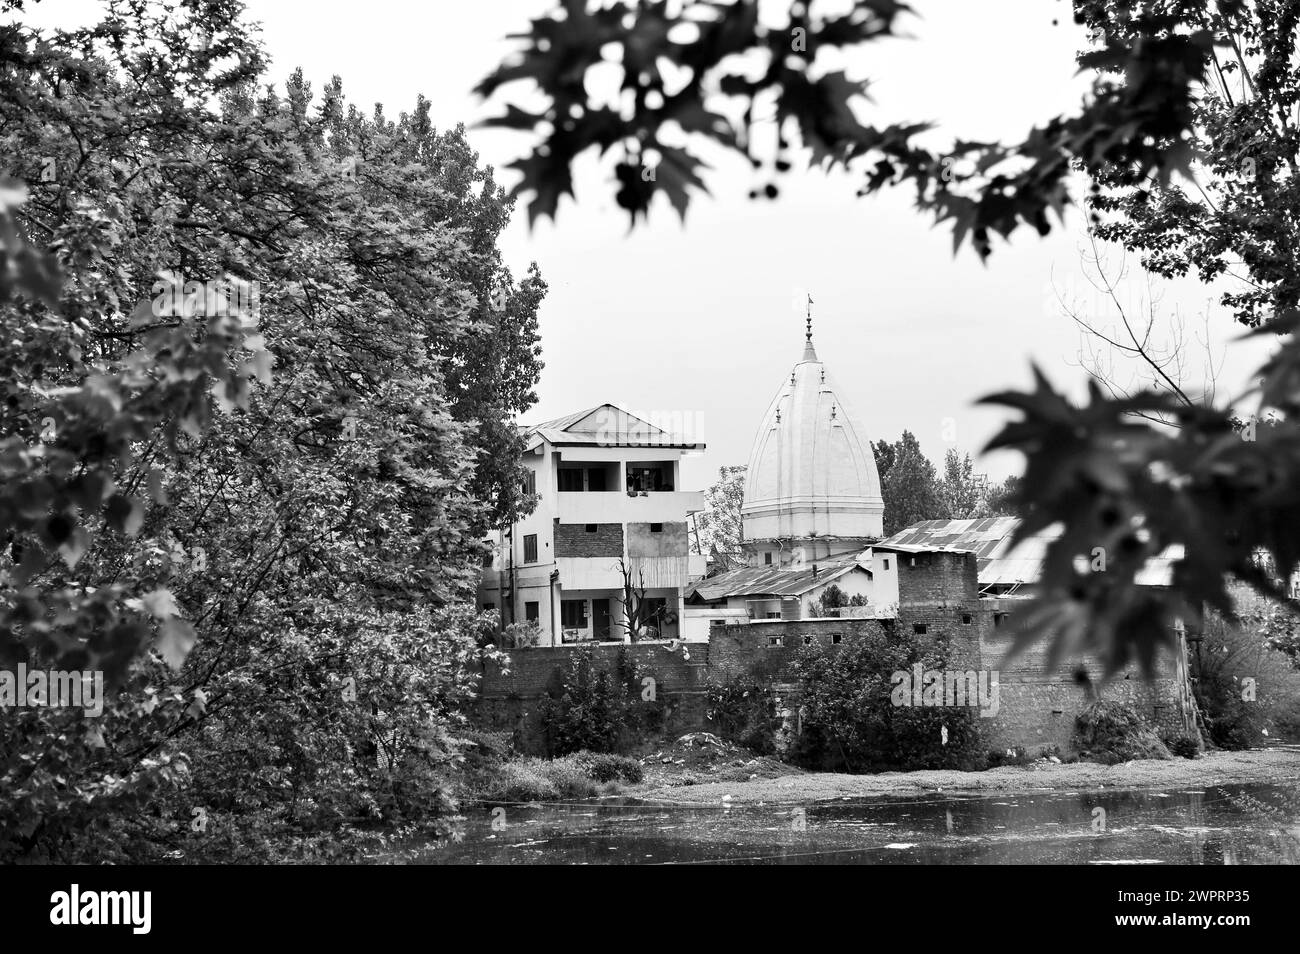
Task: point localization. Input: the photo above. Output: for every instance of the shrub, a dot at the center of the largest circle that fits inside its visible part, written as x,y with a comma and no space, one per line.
1185,745
851,723
521,635
1112,732
607,767
1229,655
743,711
539,780
589,708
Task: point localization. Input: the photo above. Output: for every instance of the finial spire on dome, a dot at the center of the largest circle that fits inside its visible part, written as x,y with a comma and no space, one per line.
808,353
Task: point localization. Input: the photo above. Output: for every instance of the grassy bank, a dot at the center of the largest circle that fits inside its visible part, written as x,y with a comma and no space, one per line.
1256,765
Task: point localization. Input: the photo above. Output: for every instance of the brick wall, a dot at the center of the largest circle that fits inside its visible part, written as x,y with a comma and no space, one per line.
937,578
508,700
573,540
1037,709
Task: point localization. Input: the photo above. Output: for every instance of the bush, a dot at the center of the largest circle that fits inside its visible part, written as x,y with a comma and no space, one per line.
606,767
1225,658
521,635
589,708
540,780
1110,732
1185,745
851,723
743,711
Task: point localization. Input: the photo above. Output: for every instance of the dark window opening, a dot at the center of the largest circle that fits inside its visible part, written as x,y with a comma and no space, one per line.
573,614
998,618
656,528
530,548
570,479
836,638
774,640
596,479
886,563
807,640
966,618
918,628
531,611
767,558
530,483
590,527
489,606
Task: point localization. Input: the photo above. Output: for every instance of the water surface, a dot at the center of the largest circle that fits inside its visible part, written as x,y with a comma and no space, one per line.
1227,824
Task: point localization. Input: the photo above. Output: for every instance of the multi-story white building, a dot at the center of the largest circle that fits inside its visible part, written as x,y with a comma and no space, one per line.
610,512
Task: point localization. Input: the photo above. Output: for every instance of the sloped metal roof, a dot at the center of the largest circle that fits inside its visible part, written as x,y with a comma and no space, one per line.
768,581
999,563
982,536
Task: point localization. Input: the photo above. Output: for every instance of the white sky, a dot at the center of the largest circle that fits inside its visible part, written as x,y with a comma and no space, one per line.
698,321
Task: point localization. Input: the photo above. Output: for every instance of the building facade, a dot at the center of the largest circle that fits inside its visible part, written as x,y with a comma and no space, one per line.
609,531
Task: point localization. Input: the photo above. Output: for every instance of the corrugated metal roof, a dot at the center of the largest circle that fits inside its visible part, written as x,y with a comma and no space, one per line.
767,581
981,536
1000,563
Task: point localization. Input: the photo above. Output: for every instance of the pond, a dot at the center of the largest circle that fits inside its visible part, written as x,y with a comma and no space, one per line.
1228,824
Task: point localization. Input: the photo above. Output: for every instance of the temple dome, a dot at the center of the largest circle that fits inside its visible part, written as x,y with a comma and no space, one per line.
811,488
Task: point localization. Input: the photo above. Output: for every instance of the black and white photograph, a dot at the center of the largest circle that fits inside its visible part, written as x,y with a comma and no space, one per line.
482,433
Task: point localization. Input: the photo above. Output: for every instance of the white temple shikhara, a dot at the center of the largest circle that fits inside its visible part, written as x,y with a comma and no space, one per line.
811,490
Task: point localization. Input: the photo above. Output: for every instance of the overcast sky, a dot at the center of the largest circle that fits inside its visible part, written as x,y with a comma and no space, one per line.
698,320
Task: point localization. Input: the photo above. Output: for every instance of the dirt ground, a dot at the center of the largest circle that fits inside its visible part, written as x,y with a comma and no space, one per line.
700,768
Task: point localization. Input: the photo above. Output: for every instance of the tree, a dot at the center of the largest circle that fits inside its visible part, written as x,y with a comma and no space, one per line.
963,494
718,531
1001,499
245,462
636,606
1141,103
1152,349
911,489
883,451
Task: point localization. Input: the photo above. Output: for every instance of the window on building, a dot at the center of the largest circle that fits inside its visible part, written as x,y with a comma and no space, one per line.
530,483
918,628
489,606
837,638
573,614
596,479
886,563
774,640
487,558
530,548
767,558
966,618
770,614
531,613
999,618
590,528
807,640
570,479
656,528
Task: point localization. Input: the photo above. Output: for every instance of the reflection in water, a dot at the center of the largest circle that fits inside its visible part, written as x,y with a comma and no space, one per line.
1231,824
